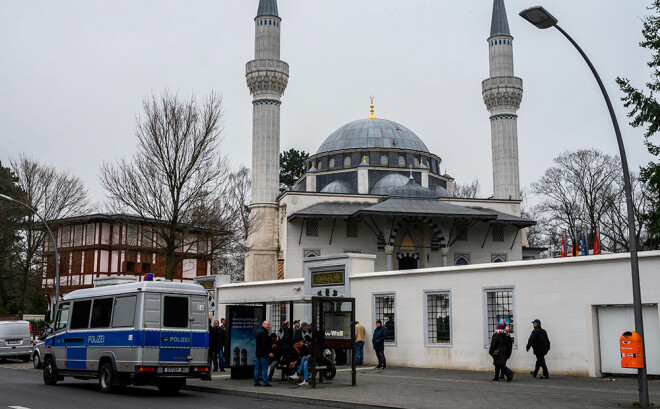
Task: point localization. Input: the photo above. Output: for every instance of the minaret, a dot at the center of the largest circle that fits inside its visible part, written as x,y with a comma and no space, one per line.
502,94
267,77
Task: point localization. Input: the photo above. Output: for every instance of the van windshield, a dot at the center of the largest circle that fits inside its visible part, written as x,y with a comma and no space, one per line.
175,312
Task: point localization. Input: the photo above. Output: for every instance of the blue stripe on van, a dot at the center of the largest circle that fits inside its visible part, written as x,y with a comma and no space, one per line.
75,357
200,339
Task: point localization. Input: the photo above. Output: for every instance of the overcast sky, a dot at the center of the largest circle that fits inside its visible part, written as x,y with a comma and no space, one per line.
73,75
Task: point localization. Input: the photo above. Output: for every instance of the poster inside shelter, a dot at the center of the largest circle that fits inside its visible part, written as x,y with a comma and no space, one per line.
244,323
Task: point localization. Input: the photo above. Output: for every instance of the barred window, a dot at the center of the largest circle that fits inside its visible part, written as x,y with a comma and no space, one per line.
312,228
331,163
402,161
498,232
91,234
384,160
347,161
278,313
352,227
384,309
438,318
461,229
499,309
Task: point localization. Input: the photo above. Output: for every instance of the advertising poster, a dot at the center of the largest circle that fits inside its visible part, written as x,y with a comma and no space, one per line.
337,325
243,324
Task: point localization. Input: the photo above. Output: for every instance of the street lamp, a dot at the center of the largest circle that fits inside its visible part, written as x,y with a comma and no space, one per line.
542,19
52,238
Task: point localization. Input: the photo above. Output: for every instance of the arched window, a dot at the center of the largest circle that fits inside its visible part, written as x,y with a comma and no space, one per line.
331,163
347,161
461,259
402,161
384,160
498,258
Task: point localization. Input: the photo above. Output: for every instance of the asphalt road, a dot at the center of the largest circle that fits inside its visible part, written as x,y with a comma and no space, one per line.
21,388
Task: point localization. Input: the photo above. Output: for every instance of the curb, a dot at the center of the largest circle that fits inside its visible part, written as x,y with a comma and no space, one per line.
283,398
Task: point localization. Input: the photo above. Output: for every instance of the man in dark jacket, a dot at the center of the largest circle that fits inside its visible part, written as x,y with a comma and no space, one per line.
215,344
540,343
222,335
263,345
285,336
378,340
277,351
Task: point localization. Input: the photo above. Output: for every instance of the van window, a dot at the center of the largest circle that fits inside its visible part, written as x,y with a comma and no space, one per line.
62,317
175,312
124,312
101,313
80,314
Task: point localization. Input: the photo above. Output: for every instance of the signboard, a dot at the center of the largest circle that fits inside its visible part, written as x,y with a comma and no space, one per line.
337,325
242,326
327,278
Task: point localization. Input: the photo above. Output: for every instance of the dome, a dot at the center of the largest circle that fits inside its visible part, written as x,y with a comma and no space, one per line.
338,186
413,189
372,133
441,192
388,183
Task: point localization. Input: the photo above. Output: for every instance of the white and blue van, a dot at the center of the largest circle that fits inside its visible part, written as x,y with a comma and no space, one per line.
148,333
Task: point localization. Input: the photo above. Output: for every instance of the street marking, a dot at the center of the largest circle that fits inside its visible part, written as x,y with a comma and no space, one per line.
17,407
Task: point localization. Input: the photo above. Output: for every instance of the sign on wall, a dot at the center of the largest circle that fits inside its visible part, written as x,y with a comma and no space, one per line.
327,278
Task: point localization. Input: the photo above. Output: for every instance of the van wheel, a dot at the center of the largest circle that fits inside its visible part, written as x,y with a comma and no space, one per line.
170,386
106,378
50,372
36,361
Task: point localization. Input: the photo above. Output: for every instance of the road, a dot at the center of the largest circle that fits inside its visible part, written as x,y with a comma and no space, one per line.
23,387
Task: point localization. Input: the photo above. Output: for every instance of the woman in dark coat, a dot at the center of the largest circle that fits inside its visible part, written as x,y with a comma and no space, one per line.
500,349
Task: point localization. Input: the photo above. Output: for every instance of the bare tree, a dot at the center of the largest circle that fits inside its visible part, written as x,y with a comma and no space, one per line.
55,195
614,224
467,190
177,179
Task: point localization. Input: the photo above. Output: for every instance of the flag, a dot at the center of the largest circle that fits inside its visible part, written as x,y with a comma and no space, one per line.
563,246
596,244
584,248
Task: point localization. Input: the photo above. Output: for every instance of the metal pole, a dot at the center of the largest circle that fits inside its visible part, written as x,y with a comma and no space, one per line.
634,264
53,242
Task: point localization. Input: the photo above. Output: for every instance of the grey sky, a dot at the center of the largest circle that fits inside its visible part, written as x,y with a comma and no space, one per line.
73,75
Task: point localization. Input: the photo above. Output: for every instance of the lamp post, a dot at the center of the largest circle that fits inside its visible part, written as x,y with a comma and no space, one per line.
53,242
542,19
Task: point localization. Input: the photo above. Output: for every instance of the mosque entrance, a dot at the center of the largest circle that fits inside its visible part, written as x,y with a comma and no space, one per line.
408,253
407,263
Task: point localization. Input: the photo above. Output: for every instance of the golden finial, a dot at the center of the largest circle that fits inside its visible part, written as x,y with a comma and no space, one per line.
372,116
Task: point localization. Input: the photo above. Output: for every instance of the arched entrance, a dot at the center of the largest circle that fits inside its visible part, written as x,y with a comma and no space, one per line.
408,253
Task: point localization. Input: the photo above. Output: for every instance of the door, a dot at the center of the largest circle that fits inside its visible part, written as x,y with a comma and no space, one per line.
56,342
199,326
75,340
175,335
614,321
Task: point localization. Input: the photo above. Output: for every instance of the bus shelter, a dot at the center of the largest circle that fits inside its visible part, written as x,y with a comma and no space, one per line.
332,327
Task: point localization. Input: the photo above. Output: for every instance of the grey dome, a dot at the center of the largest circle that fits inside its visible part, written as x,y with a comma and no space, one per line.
413,189
372,133
441,192
338,186
388,183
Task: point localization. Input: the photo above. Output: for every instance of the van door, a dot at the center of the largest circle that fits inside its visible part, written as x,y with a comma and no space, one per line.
200,330
75,340
56,342
175,335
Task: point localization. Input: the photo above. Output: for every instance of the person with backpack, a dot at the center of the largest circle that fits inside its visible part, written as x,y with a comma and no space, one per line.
540,343
500,349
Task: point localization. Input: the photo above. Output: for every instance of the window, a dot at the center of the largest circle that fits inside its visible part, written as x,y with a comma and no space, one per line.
384,310
438,318
498,233
347,161
331,163
91,234
461,259
124,312
66,236
78,235
416,161
202,245
80,314
499,309
101,313
384,160
131,235
312,228
461,228
352,227
311,253
498,258
277,315
62,317
147,239
402,161
175,312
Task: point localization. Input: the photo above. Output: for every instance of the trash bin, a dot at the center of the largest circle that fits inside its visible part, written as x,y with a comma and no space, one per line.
632,355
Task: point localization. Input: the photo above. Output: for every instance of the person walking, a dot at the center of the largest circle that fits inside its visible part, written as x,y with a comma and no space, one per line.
222,338
214,344
378,341
263,345
500,349
360,335
540,344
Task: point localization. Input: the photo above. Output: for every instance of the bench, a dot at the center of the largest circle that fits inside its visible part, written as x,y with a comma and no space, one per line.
320,369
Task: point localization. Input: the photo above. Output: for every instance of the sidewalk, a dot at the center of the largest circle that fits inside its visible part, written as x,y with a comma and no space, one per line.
432,388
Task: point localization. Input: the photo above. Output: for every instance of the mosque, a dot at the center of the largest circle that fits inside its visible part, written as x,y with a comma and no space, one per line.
373,186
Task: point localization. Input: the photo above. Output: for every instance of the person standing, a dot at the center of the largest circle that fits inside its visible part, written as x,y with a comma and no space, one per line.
297,332
222,335
214,344
500,349
540,343
378,341
285,336
360,335
262,352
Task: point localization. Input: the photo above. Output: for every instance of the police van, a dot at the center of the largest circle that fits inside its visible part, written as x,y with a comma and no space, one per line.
147,333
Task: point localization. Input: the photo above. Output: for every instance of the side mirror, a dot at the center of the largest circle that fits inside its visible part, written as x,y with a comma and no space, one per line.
47,316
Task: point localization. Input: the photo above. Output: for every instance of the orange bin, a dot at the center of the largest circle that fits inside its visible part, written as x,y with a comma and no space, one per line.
632,355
